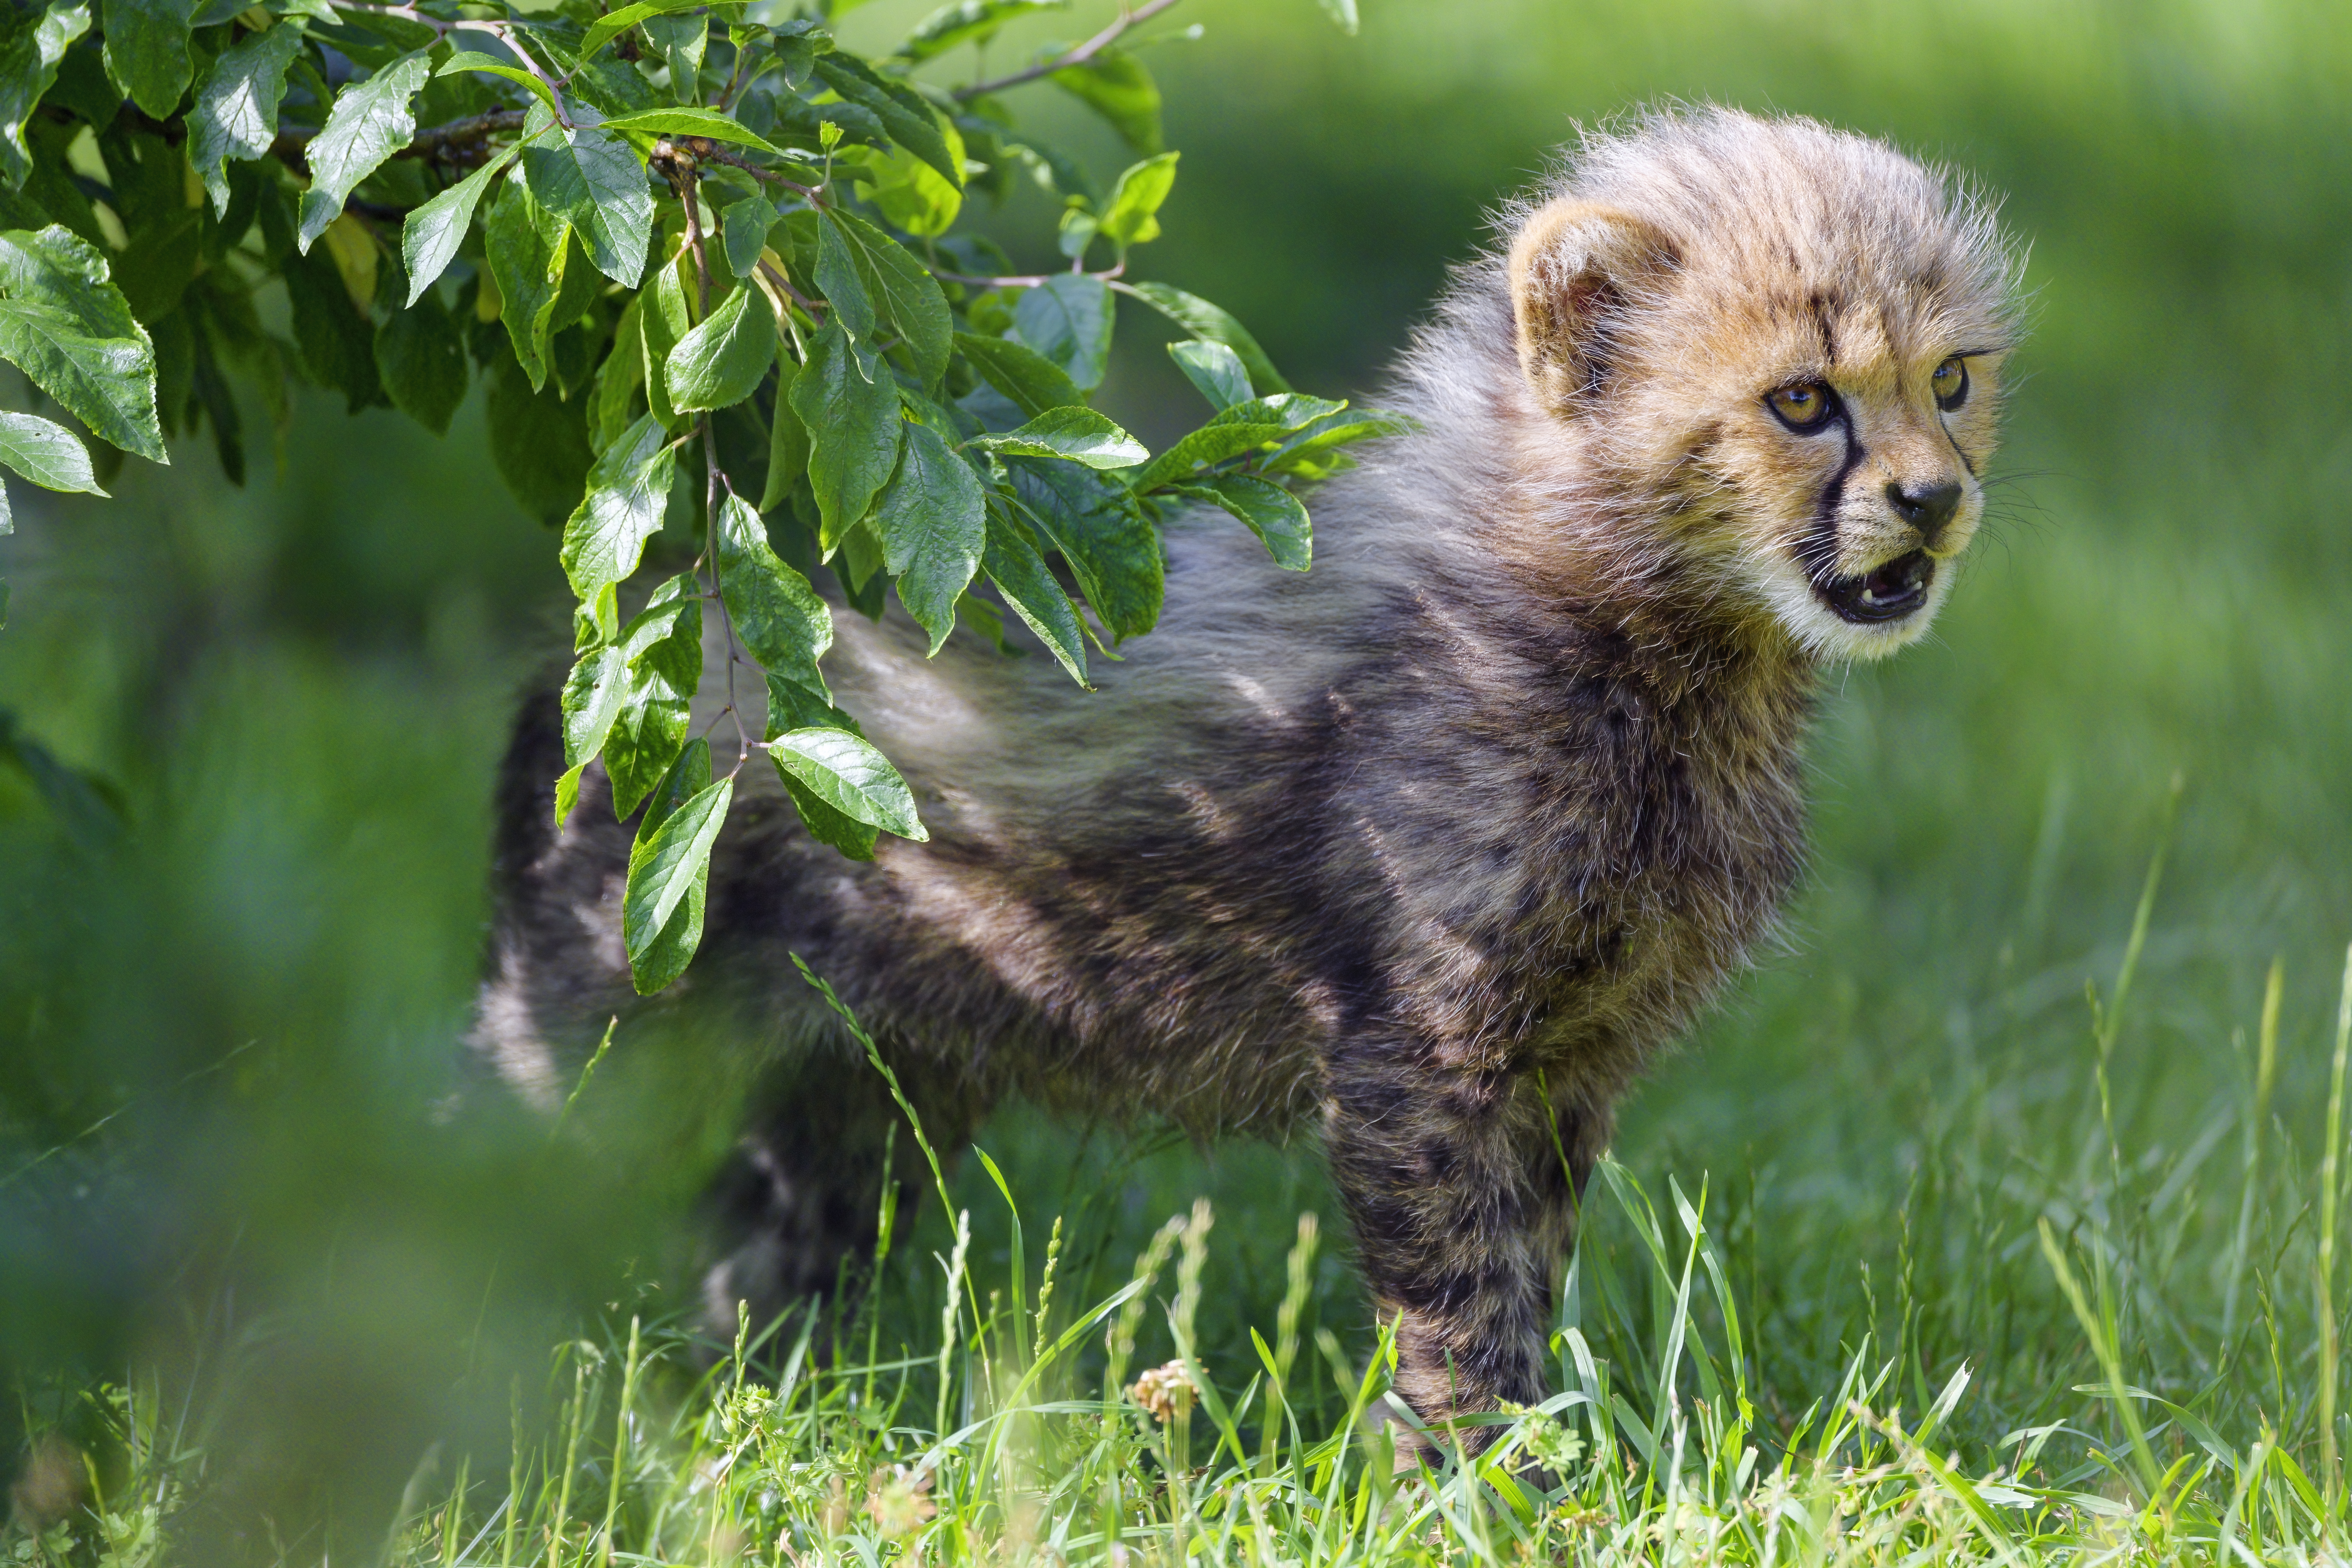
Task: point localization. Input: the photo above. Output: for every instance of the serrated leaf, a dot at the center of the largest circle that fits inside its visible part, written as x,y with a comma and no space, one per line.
681,42
1202,319
723,360
420,356
1019,573
372,120
628,488
964,22
46,453
910,193
788,438
903,292
147,52
474,60
842,282
1029,380
601,681
835,829
430,239
848,774
1114,85
664,872
1241,428
905,116
745,225
593,180
619,378
1081,435
36,45
933,520
1112,548
1214,370
689,121
664,647
65,324
1131,216
336,340
1067,318
782,622
1273,513
853,424
236,112
672,949
613,25
528,249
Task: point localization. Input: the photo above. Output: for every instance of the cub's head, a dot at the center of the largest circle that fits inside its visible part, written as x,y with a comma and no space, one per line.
1782,345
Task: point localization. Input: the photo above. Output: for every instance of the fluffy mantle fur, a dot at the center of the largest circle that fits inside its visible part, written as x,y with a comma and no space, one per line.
1426,851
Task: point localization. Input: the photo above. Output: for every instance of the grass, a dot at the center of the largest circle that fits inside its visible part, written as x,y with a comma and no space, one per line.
2125,1356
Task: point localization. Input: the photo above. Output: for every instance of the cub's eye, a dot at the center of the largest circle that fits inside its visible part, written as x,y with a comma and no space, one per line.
1951,384
1802,406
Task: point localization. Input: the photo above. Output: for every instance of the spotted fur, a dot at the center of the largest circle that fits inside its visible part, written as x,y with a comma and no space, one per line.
1428,850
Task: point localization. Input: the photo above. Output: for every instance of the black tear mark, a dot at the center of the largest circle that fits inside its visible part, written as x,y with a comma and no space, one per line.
1818,555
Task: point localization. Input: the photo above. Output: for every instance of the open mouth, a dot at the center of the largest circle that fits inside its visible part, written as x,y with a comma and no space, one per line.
1888,594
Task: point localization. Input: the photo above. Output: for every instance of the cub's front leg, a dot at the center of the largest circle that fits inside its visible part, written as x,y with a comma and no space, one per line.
1463,1214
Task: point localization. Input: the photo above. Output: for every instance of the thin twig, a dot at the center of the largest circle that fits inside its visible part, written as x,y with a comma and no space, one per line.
1026,280
1077,57
718,152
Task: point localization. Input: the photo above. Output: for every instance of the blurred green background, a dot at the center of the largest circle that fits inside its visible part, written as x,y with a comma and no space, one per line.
221,1043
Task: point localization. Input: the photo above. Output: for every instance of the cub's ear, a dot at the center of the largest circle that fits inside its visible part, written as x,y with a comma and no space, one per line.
1575,266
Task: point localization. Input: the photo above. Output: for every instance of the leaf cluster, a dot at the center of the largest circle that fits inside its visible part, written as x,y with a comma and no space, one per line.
705,264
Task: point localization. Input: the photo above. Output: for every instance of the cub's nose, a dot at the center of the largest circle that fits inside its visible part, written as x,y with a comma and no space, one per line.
1927,509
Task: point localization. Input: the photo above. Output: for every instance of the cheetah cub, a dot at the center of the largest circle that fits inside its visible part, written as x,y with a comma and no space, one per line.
1429,849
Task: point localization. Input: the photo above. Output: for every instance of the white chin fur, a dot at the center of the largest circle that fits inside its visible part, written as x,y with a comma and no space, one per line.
1829,637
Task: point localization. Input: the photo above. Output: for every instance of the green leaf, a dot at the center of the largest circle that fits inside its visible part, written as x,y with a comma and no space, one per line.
620,377
912,194
1273,513
664,649
1020,574
842,282
1215,369
1067,318
966,22
48,454
1202,319
420,356
788,438
612,26
745,225
853,423
903,291
593,180
628,490
372,120
1131,216
933,520
1342,13
780,619
1031,382
473,60
691,122
147,52
1080,435
539,442
430,239
1243,427
236,112
681,42
1114,85
905,116
665,872
663,319
848,774
1112,548
600,683
65,325
664,958
528,249
792,705
36,43
722,361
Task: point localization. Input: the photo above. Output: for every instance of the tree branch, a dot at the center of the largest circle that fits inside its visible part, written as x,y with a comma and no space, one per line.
1077,57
